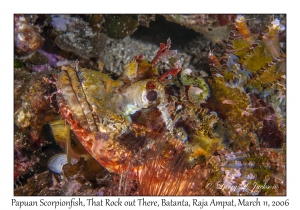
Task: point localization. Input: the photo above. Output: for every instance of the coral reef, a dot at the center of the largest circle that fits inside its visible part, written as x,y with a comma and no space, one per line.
28,37
247,81
204,122
32,102
79,38
214,27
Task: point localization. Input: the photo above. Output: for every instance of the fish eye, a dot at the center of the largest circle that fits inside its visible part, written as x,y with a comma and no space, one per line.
152,95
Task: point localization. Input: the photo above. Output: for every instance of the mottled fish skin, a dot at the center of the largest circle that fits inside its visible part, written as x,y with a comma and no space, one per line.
142,121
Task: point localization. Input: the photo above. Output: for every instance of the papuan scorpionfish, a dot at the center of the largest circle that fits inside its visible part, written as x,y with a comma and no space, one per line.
177,133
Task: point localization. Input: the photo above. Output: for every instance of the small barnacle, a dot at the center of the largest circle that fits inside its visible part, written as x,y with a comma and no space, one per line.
198,90
193,94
